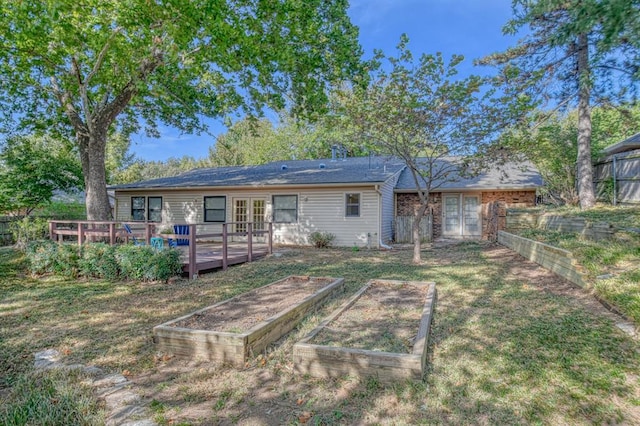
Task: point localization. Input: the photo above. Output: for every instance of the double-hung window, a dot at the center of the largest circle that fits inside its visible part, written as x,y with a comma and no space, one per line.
215,209
146,208
352,205
285,208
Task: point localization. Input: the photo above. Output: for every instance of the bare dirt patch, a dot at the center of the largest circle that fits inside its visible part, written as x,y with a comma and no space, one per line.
385,318
244,311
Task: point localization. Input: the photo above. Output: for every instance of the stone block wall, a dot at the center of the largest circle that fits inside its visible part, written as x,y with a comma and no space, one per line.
494,208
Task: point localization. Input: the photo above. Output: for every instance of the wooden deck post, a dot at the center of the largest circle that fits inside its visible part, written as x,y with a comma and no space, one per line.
224,246
52,227
193,259
147,232
249,241
80,233
270,237
112,233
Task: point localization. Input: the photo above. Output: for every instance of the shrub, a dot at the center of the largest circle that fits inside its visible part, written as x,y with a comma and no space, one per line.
166,264
322,239
66,260
41,256
28,229
99,260
146,264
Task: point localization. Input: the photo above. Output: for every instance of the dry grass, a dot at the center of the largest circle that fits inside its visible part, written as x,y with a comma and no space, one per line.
510,344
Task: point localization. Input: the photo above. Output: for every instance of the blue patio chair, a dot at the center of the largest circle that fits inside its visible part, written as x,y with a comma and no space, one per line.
180,230
136,242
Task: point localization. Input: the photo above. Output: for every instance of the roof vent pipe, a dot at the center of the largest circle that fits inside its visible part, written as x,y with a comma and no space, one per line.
322,166
284,167
334,149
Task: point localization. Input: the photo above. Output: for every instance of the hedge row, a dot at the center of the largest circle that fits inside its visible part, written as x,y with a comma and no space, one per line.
100,260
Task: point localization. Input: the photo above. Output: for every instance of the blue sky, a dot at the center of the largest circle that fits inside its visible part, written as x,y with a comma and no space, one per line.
472,28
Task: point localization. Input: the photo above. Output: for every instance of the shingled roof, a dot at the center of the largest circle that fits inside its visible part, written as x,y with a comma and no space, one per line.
356,170
629,144
508,176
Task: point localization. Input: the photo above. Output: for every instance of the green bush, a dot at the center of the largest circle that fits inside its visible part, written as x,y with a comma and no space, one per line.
322,239
51,397
99,260
28,229
146,264
166,264
41,256
66,260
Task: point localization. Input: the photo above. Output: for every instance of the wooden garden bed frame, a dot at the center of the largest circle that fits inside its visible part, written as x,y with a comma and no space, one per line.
236,348
329,361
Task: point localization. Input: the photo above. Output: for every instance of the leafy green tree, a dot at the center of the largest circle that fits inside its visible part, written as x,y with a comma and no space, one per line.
32,169
573,54
86,67
550,143
419,112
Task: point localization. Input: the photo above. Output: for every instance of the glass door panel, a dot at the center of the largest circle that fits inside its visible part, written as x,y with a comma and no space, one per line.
451,215
471,216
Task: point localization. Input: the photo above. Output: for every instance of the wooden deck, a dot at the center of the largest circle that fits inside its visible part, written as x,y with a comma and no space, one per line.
210,256
198,256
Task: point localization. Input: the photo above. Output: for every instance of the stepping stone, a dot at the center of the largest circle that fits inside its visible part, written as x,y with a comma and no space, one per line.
110,380
119,417
121,398
46,359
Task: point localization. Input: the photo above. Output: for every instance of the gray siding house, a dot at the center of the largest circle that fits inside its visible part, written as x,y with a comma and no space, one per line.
356,199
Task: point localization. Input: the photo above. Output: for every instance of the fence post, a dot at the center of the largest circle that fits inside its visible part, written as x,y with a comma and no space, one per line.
270,237
193,259
224,246
51,228
249,241
112,233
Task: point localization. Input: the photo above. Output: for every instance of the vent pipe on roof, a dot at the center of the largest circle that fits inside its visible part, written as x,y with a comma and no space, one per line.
284,167
334,149
322,166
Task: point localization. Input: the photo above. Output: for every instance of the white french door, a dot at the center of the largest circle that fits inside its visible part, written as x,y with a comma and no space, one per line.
248,210
461,215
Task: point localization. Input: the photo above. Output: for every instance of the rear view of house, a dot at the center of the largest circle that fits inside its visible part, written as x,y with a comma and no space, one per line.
356,199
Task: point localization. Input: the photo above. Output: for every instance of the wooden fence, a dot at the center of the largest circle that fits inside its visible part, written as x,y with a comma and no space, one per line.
404,225
617,178
5,234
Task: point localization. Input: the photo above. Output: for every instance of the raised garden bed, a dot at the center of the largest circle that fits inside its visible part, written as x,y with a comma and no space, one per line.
382,332
232,330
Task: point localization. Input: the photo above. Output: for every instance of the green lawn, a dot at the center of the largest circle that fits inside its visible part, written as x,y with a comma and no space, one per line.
508,344
618,259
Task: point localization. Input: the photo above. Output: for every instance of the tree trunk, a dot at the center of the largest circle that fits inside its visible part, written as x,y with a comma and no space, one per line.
92,156
417,219
586,193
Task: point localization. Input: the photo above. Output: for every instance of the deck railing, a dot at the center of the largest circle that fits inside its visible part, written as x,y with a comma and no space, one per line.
114,233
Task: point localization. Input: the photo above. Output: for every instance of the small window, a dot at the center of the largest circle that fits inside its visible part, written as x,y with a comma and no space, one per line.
137,208
155,209
352,205
285,208
215,209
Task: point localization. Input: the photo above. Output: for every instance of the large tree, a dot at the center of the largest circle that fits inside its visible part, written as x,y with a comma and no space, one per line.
574,53
86,66
420,111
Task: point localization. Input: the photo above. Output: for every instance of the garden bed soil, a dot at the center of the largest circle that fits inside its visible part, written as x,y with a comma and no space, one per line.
232,330
381,332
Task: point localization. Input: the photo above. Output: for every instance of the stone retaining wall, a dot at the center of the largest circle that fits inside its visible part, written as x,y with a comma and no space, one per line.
518,219
552,258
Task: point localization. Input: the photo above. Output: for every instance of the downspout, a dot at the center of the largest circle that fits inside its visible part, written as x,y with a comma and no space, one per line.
382,245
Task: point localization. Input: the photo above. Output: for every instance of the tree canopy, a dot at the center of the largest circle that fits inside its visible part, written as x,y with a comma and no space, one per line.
575,53
32,169
83,67
419,110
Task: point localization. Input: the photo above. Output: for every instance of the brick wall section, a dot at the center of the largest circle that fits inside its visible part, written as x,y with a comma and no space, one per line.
407,204
503,200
